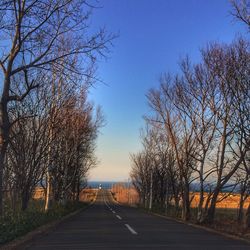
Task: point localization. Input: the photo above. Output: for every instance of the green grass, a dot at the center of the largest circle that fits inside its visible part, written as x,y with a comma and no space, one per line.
226,214
13,225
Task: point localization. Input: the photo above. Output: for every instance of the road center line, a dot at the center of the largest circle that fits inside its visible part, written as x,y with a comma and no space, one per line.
130,229
113,212
107,204
119,217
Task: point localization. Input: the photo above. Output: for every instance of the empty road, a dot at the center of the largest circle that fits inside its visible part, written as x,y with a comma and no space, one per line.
106,225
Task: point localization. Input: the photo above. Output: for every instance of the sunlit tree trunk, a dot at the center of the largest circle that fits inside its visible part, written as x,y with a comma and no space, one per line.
48,191
48,170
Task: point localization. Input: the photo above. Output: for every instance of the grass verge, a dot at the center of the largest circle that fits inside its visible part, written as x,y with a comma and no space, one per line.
14,225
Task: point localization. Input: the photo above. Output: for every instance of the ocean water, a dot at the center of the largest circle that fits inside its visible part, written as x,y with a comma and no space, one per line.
104,184
194,187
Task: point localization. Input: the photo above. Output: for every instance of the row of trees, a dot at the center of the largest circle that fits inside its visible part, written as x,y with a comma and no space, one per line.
199,132
52,145
47,126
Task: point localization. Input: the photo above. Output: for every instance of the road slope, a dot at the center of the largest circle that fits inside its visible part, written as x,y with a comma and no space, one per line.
107,225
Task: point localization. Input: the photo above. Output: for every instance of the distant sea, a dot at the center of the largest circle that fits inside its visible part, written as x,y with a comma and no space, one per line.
194,187
104,184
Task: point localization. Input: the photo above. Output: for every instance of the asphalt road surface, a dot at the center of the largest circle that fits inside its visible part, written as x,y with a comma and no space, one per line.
107,225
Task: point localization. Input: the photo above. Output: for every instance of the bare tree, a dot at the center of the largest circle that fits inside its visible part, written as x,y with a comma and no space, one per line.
179,132
73,147
34,35
28,147
203,113
241,11
228,68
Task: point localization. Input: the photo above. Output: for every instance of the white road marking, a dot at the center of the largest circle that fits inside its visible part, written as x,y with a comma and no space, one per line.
130,229
113,212
119,217
107,204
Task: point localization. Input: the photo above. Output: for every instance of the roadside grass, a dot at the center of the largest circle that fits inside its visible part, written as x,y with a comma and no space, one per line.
221,215
225,219
226,214
14,225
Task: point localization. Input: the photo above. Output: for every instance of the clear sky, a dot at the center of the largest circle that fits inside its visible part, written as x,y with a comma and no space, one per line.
153,36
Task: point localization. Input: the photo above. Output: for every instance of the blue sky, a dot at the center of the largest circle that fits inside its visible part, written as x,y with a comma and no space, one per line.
153,36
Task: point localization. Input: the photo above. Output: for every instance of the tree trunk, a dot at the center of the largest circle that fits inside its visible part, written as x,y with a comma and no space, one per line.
211,210
241,210
4,137
200,206
201,198
151,191
48,170
25,200
78,189
2,156
186,203
186,207
167,200
48,192
247,218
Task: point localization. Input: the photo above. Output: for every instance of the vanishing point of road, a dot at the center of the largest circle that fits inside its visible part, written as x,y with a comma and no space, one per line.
107,225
